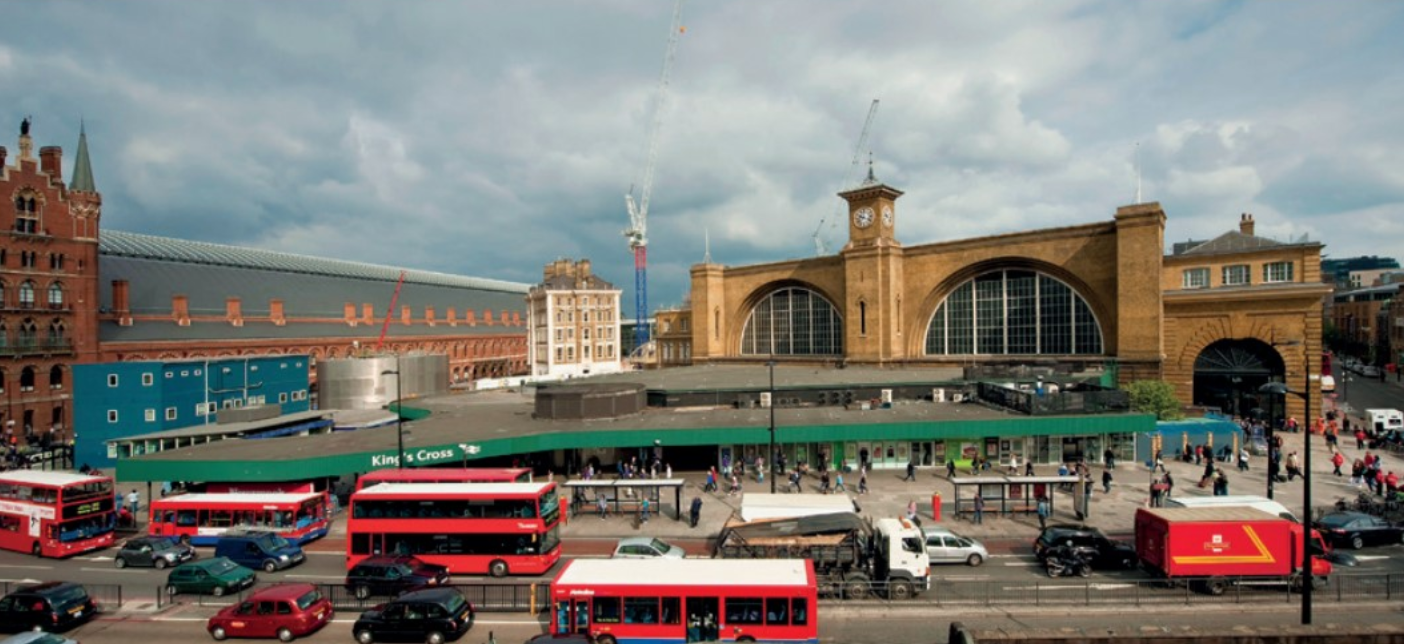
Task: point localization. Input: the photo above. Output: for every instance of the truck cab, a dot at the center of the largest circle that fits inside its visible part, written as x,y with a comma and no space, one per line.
901,548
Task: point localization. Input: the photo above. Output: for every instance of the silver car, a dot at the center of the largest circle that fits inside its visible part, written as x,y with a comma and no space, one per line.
647,548
944,546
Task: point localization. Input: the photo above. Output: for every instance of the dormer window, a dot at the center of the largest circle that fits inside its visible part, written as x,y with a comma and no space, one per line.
26,214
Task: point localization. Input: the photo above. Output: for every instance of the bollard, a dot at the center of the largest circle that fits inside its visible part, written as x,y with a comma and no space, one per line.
936,506
531,605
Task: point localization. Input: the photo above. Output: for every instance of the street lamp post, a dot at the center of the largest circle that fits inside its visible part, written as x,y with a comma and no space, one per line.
399,413
774,472
1271,445
1280,389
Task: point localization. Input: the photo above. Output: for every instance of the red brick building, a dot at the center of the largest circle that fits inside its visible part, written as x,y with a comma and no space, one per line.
69,295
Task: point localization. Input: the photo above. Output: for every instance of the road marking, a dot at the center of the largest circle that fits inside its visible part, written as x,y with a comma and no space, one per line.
125,571
1021,563
1370,557
314,576
970,578
1078,587
318,552
20,581
29,567
352,620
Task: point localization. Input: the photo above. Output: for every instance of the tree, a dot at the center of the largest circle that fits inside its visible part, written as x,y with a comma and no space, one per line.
1155,397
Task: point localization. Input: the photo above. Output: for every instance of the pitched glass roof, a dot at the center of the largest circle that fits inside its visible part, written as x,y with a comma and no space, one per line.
121,244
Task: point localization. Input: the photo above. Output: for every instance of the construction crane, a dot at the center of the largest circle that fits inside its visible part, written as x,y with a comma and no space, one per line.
849,178
637,233
395,297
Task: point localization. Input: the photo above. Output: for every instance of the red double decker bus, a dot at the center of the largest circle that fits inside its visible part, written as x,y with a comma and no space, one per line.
55,514
445,475
629,601
472,528
200,519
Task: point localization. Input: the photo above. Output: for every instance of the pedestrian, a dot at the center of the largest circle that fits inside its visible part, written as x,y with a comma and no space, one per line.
911,471
1044,511
643,511
668,471
1198,454
1169,482
796,481
1013,463
1155,494
696,511
1106,481
1028,468
979,509
1109,459
863,481
1294,468
1337,460
735,485
711,485
760,470
824,482
838,482
1359,438
950,468
134,504
911,510
602,506
1243,460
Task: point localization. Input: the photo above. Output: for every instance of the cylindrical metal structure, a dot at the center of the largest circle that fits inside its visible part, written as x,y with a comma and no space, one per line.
357,383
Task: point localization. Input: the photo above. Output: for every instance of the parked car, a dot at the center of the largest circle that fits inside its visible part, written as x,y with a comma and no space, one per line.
1370,371
1357,530
433,615
1106,552
259,549
215,576
944,546
393,575
157,552
53,606
37,637
646,548
285,611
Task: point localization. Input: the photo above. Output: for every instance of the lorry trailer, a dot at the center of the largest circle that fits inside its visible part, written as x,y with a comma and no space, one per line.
1213,548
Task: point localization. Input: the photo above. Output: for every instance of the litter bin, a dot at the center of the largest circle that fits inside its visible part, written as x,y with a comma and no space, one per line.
936,507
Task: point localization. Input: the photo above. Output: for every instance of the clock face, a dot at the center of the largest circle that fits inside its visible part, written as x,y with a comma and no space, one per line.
863,217
887,216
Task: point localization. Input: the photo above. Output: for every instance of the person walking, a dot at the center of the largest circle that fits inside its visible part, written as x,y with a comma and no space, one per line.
1243,460
643,511
1044,510
134,505
695,512
1106,481
979,509
863,481
1169,482
911,471
1337,460
1028,468
1013,463
838,482
950,468
602,506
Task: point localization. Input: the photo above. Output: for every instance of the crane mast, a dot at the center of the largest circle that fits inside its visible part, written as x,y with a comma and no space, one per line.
849,178
637,233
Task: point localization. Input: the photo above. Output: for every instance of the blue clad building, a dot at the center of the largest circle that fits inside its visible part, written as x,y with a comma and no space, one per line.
123,399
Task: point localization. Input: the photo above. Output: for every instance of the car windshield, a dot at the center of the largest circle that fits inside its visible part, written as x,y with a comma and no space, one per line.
308,598
47,638
660,546
162,544
66,595
222,565
403,570
455,604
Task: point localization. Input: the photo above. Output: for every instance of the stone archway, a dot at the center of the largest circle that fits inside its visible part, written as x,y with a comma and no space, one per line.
1227,374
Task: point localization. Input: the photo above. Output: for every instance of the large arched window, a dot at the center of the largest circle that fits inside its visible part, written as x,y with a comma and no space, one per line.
26,295
55,296
793,321
1014,312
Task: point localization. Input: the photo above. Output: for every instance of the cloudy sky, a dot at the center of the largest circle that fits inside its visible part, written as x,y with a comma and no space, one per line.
487,138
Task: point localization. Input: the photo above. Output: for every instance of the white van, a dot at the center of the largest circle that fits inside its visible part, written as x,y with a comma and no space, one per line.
1384,420
1237,501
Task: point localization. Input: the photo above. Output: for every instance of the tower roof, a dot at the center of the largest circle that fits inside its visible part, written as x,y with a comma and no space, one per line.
82,167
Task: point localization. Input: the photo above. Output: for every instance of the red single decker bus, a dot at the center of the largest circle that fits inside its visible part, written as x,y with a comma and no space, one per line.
472,528
200,519
445,475
55,514
628,601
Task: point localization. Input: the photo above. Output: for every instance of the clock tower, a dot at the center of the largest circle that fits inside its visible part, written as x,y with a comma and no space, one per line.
872,263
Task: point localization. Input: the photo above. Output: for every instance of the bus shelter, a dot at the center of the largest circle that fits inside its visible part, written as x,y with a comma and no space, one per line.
1011,494
625,494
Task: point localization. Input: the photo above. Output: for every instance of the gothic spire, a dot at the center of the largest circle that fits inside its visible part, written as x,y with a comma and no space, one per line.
82,167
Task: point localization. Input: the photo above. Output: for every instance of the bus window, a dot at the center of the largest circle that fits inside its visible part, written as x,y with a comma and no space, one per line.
801,615
775,611
606,610
672,610
562,617
185,518
743,610
641,610
582,616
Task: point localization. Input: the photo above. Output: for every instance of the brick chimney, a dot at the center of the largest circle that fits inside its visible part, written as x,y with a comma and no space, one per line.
405,317
180,310
367,314
348,312
51,162
470,317
429,315
275,312
516,318
234,311
487,317
122,302
452,317
1245,224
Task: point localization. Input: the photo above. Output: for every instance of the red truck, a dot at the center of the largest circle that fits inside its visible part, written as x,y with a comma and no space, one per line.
1212,548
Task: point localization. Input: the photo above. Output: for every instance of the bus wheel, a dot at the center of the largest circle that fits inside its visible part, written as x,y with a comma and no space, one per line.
36,550
899,590
498,568
745,638
606,639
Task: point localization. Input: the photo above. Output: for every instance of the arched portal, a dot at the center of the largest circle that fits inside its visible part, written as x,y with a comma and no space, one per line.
793,321
1227,375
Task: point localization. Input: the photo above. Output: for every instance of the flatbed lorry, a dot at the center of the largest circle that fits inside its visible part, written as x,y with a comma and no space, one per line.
852,555
1213,548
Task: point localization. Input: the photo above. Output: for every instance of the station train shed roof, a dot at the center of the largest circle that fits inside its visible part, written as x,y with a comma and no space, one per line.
464,427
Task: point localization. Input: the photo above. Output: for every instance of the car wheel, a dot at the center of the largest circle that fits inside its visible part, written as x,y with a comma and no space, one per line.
285,635
1128,563
498,568
362,592
365,637
218,633
270,566
120,563
434,637
218,591
1357,542
172,590
974,560
160,563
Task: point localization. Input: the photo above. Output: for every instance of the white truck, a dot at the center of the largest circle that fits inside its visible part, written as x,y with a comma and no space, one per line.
852,556
755,506
1385,420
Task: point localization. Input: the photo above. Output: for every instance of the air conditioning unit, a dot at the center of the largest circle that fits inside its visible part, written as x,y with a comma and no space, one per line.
957,397
886,396
938,395
765,400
